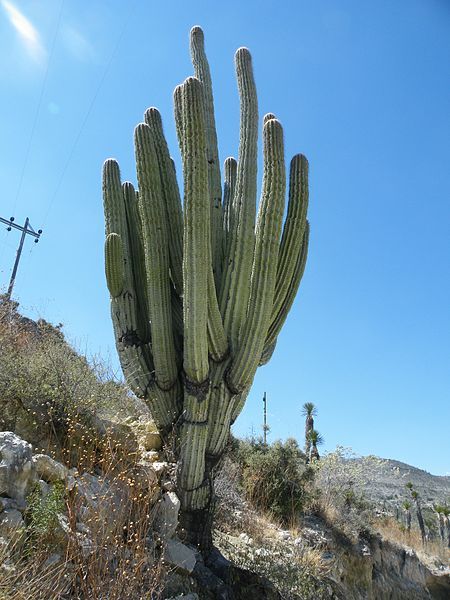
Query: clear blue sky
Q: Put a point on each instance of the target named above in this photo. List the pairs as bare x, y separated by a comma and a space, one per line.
362, 89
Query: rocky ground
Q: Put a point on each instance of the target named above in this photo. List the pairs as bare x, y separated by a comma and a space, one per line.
368, 568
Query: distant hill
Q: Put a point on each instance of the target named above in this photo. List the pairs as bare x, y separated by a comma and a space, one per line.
383, 480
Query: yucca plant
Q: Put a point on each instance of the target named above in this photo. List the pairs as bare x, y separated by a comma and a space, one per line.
315, 439
446, 516
415, 496
309, 411
406, 505
201, 288
439, 509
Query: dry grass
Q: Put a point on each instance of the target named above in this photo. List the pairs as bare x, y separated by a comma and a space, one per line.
432, 552
113, 553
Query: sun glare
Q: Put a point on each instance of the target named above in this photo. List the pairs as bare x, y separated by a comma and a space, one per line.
25, 29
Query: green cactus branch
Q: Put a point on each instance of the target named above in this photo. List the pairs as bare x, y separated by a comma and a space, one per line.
262, 287
237, 273
229, 185
199, 289
156, 246
202, 73
171, 197
114, 270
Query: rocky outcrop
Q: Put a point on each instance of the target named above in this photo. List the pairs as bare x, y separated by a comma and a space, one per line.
374, 568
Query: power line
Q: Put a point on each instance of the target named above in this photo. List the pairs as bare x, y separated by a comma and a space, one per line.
38, 110
88, 114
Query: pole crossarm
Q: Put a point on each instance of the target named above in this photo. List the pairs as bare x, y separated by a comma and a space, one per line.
25, 229
29, 229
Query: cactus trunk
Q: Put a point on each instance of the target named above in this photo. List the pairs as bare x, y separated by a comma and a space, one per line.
200, 289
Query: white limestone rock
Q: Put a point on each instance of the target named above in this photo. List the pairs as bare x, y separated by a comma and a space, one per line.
17, 470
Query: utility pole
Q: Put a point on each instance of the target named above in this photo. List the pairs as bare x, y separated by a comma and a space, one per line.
26, 229
265, 428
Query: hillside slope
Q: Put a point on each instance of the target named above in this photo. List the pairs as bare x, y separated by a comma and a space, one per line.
383, 481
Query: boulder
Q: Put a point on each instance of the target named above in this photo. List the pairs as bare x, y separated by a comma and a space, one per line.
179, 556
50, 470
166, 519
12, 524
17, 470
102, 501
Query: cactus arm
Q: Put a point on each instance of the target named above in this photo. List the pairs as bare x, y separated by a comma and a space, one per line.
268, 231
203, 74
237, 273
229, 184
171, 194
191, 125
115, 218
114, 269
293, 230
134, 351
155, 238
268, 117
280, 318
216, 339
137, 260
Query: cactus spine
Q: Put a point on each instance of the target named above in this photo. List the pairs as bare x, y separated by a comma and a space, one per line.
199, 292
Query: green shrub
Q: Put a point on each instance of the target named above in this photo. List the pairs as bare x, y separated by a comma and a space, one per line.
274, 477
45, 384
42, 516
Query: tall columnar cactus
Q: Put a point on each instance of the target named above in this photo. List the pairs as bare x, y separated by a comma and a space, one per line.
200, 289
